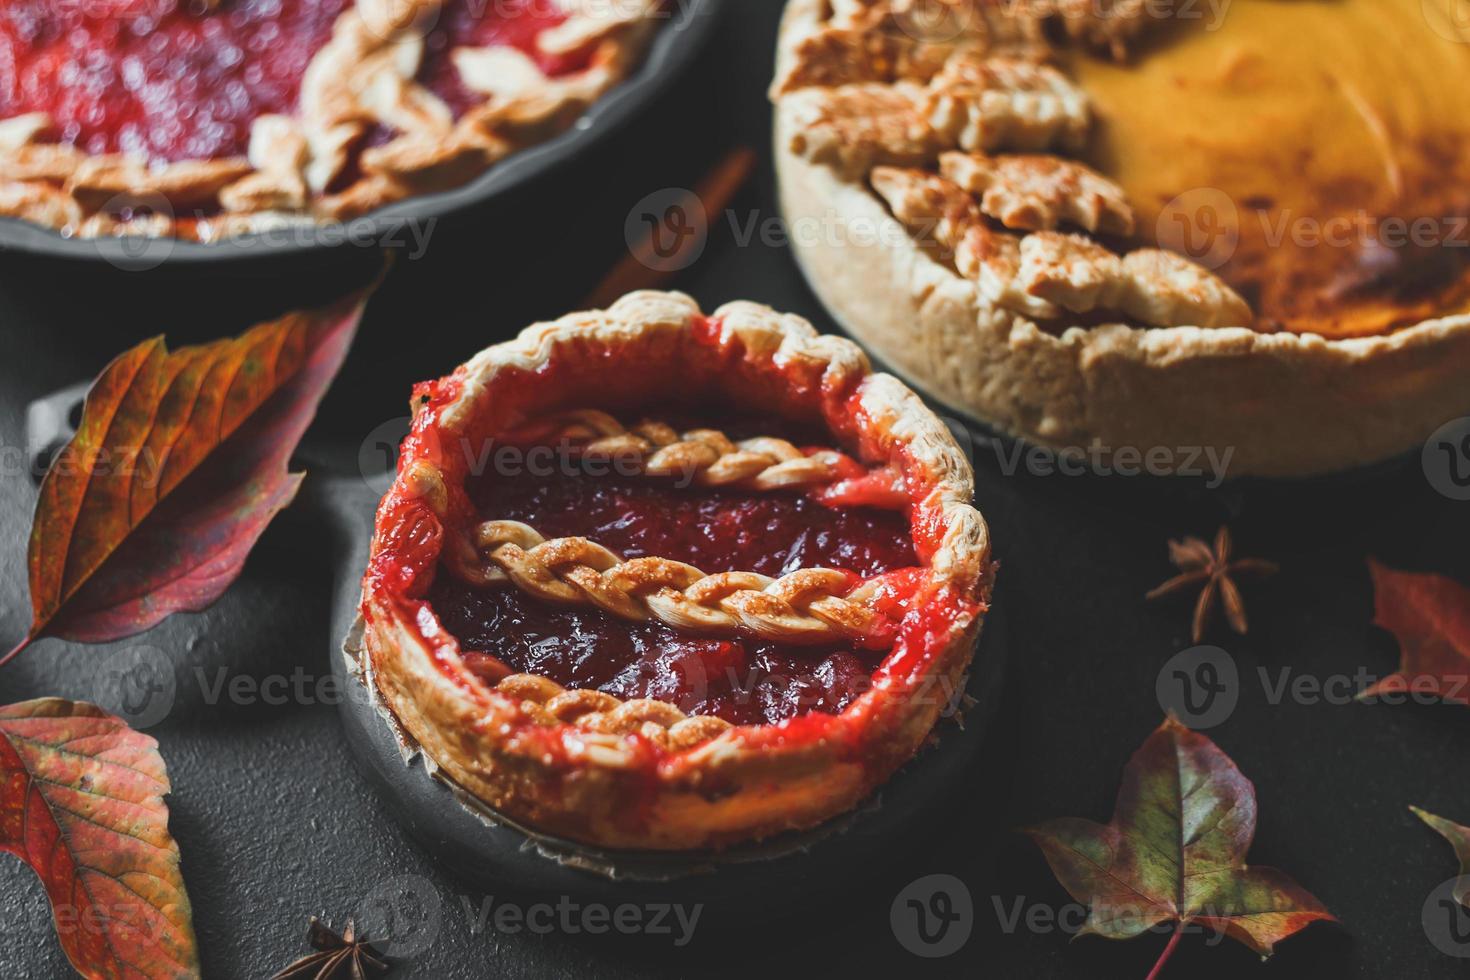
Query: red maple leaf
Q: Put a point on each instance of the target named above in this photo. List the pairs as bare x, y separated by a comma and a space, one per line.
1430, 617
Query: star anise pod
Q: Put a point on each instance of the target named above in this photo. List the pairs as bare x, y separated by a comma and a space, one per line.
336, 956
1212, 568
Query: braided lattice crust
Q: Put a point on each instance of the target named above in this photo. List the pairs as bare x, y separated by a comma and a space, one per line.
549, 704
705, 457
808, 606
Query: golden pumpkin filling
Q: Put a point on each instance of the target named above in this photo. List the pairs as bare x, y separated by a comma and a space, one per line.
1315, 154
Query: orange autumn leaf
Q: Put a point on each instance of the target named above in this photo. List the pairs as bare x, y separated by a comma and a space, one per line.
1429, 615
81, 803
177, 467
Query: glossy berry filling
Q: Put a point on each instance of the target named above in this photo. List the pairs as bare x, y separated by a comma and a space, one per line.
741, 679
174, 80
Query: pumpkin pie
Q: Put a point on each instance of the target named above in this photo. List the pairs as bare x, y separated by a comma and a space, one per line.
1141, 226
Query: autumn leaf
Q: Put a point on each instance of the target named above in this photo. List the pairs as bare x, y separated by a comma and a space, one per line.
177, 467
1459, 838
1175, 852
81, 802
1430, 617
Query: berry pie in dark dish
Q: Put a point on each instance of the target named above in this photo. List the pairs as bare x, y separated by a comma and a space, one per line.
652, 578
206, 119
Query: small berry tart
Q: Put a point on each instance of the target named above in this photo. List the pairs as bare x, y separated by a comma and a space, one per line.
655, 579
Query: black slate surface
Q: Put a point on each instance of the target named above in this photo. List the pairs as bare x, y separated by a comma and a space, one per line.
275, 822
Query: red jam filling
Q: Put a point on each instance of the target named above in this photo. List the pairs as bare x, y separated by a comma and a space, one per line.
741, 679
169, 80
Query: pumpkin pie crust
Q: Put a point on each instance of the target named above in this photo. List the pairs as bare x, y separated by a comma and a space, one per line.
1089, 226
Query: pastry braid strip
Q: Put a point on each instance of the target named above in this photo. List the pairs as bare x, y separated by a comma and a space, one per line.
808, 606
597, 712
707, 456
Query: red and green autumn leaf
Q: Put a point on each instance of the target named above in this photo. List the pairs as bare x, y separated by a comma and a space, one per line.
1429, 615
1459, 838
1175, 852
177, 467
81, 802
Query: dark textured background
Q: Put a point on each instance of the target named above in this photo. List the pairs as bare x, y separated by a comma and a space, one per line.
275, 823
